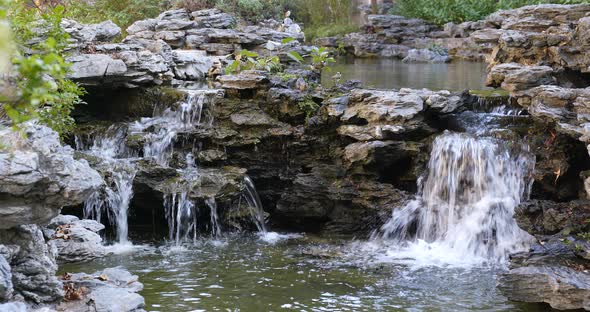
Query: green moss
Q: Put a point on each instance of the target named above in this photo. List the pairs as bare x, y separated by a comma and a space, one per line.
309, 106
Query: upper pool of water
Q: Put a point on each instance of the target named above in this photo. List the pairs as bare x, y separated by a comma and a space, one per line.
395, 74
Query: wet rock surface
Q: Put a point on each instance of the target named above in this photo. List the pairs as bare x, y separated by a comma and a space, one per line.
113, 289
549, 273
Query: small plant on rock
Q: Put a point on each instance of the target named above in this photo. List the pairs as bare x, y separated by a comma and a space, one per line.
248, 60
320, 58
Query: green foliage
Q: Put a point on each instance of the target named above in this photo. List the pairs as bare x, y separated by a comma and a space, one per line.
42, 88
248, 60
444, 11
254, 10
286, 77
309, 106
5, 40
320, 58
121, 12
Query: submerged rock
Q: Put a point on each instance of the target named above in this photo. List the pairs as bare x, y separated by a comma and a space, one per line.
38, 176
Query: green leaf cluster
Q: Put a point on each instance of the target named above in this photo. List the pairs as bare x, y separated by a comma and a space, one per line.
248, 60
41, 89
320, 58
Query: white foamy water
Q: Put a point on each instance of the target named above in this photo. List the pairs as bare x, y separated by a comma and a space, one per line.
464, 212
274, 237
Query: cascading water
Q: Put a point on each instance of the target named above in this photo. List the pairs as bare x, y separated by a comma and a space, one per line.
114, 199
160, 133
254, 204
182, 212
467, 199
168, 123
215, 226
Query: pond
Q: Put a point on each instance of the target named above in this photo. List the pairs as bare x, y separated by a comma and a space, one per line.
300, 272
395, 74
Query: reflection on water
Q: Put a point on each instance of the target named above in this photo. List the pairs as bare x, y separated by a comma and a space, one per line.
298, 273
394, 74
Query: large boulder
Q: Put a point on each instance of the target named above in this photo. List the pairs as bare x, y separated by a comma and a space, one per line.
86, 34
76, 240
38, 176
549, 273
191, 64
543, 217
110, 290
213, 18
426, 56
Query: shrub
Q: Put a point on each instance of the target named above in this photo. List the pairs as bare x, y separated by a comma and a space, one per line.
42, 90
121, 12
444, 11
194, 5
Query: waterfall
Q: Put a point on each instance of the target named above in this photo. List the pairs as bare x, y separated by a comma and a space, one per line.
181, 214
254, 204
498, 105
114, 199
215, 226
466, 201
168, 123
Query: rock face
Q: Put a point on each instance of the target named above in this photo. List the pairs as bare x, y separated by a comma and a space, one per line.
543, 217
549, 273
32, 263
426, 56
6, 287
113, 289
76, 240
146, 56
38, 176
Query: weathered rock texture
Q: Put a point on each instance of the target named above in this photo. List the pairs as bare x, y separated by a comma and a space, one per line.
110, 290
32, 263
176, 45
38, 176
76, 240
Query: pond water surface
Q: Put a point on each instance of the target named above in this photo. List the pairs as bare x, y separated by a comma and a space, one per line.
301, 273
395, 74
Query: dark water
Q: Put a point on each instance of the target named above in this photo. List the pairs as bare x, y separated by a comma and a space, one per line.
300, 274
394, 74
